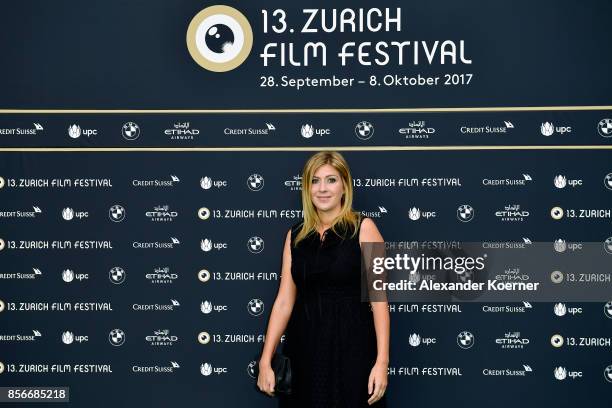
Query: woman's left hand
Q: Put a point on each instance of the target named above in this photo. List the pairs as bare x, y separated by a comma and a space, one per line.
377, 383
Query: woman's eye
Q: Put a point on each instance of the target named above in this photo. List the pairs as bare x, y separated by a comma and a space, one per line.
332, 180
314, 181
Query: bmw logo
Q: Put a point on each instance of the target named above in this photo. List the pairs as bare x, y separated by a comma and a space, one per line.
608, 245
116, 337
608, 309
255, 182
255, 244
116, 213
465, 213
364, 130
608, 181
608, 373
130, 131
255, 307
604, 127
117, 275
465, 339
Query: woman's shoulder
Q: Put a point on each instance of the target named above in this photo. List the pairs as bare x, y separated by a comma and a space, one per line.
366, 221
368, 230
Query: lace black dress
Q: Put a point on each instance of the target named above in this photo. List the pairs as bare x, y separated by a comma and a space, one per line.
330, 338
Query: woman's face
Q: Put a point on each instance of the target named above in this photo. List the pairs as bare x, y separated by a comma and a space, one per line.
327, 188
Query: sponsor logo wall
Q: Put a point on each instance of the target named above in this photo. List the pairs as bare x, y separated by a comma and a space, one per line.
150, 167
123, 265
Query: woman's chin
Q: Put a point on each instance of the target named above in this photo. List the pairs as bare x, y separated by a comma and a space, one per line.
325, 207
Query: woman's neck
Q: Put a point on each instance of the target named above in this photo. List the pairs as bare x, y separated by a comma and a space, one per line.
326, 219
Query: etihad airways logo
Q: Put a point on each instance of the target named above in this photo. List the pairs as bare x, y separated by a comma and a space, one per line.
161, 338
512, 340
512, 213
182, 131
161, 213
417, 130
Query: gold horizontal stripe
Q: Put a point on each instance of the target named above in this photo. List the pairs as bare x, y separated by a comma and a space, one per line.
316, 110
298, 148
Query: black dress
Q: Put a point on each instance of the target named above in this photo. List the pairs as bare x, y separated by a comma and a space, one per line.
330, 337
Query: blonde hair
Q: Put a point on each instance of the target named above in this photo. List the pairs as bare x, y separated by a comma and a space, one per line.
347, 217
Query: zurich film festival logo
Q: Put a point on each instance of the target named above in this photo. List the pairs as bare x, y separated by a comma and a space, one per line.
219, 38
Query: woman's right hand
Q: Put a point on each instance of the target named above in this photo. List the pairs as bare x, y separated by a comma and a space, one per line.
266, 380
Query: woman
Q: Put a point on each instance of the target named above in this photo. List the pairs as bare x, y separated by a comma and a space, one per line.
338, 346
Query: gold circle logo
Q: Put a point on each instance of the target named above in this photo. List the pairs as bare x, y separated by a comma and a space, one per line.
203, 213
1, 306
556, 277
557, 340
1, 244
1, 182
203, 338
204, 275
219, 38
1, 368
556, 213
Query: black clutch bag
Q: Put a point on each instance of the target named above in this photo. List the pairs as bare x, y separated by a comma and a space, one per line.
281, 365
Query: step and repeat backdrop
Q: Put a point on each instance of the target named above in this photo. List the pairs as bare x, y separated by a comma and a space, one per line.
150, 167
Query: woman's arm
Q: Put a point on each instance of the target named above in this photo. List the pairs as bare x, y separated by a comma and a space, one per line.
283, 305
377, 381
381, 324
380, 309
